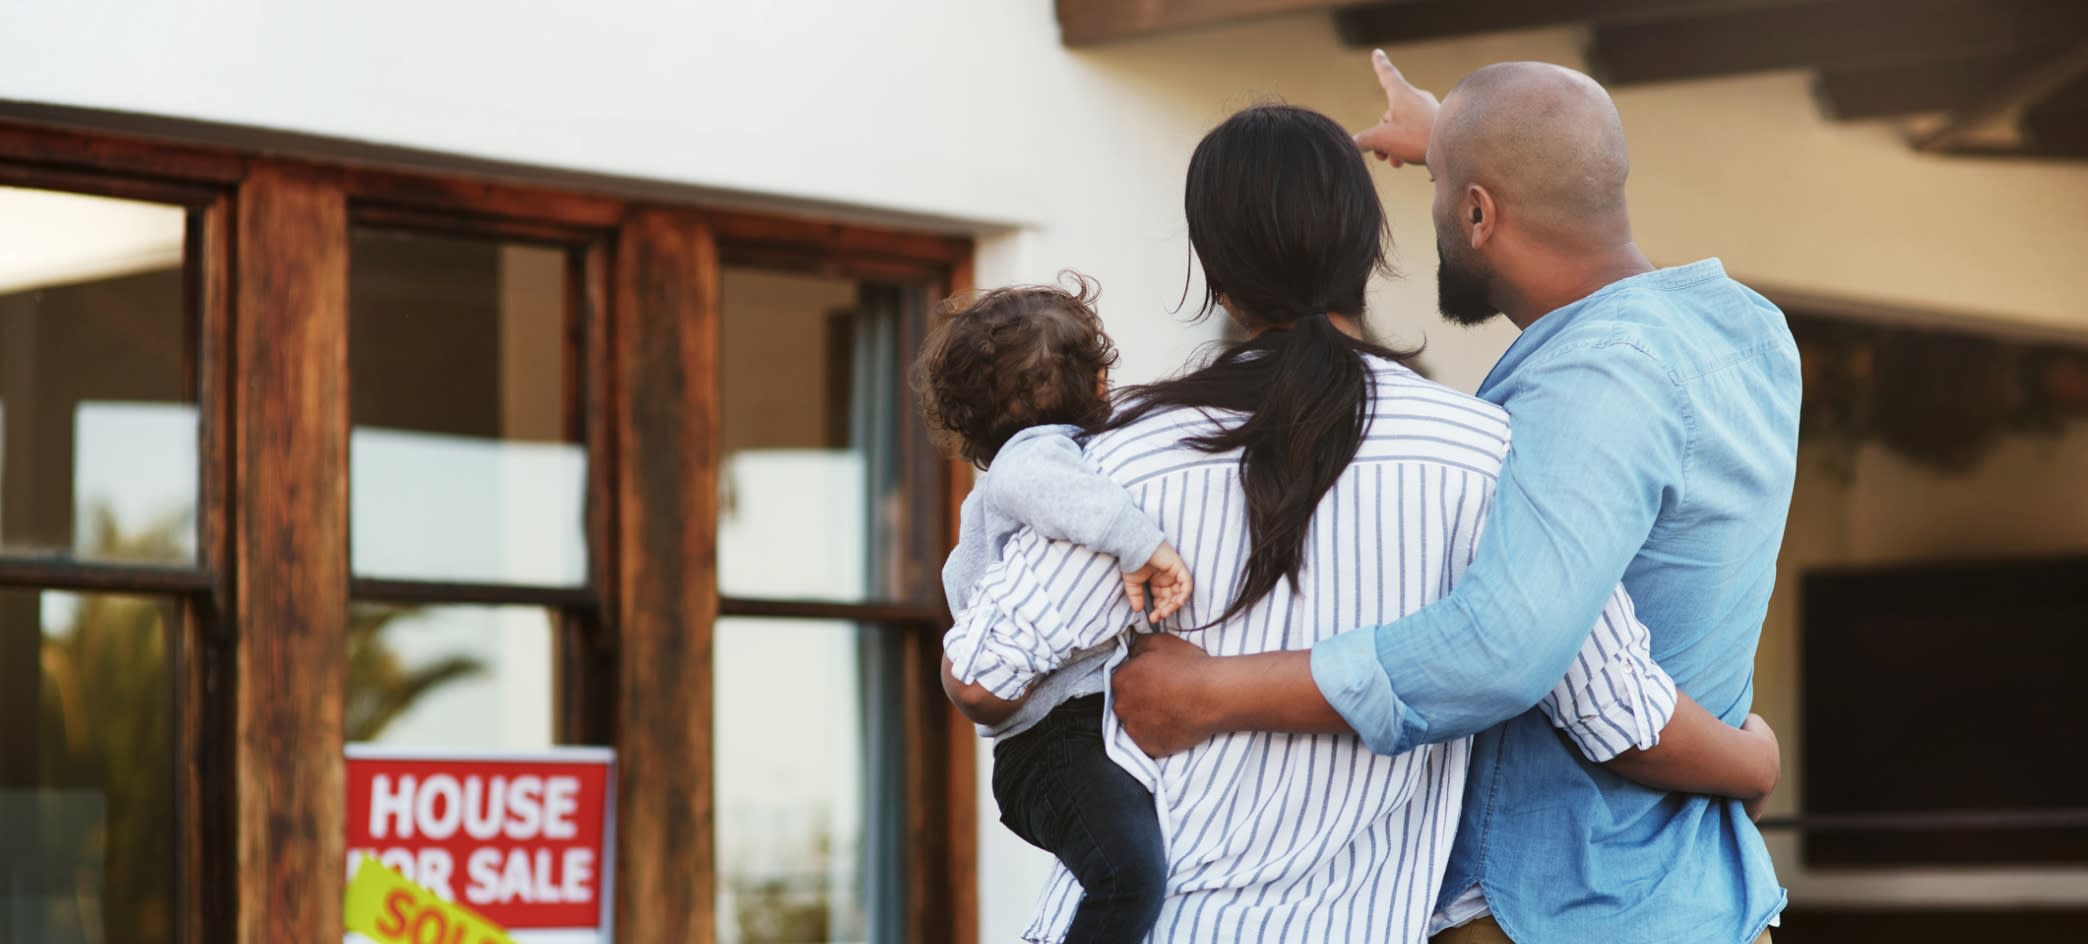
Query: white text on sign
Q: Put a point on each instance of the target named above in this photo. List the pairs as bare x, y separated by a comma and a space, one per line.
520, 808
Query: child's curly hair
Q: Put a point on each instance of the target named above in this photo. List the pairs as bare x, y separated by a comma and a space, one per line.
999, 362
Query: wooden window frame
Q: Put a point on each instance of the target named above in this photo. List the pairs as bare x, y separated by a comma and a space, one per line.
584, 231
197, 645
261, 783
941, 751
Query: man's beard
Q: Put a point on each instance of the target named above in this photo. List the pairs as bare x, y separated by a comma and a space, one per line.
1463, 294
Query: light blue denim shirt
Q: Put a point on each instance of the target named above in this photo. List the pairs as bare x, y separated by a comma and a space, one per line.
1655, 433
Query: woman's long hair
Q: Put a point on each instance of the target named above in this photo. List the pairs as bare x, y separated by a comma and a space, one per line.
1289, 229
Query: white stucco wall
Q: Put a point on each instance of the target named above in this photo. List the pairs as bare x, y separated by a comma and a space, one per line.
972, 112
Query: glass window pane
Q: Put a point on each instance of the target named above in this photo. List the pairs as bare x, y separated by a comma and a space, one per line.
475, 677
86, 767
810, 839
814, 499
98, 439
464, 464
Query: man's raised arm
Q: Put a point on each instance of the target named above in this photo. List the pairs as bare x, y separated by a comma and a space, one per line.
1401, 134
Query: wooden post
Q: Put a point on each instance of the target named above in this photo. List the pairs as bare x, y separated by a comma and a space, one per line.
961, 759
666, 404
291, 587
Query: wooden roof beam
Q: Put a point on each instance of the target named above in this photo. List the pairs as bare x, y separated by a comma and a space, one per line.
1093, 22
1898, 90
2059, 123
1842, 34
2011, 101
1384, 24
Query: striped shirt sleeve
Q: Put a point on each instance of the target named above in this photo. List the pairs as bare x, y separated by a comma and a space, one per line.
1614, 696
1042, 603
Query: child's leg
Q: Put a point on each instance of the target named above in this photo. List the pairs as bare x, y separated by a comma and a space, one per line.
1059, 791
1116, 850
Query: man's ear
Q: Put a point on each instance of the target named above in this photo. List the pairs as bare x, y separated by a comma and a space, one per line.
1481, 215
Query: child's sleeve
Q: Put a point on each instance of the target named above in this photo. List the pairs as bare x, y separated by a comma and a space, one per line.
1041, 479
1043, 602
969, 558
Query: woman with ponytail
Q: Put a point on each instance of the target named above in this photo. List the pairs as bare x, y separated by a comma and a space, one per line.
1313, 483
1291, 270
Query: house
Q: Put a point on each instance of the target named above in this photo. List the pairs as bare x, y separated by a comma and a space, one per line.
502, 375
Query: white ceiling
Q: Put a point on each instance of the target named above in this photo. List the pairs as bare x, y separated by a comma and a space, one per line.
49, 238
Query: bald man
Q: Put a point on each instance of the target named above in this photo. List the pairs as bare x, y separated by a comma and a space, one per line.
1655, 416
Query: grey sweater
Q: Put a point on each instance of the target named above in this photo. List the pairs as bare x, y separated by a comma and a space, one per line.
1041, 480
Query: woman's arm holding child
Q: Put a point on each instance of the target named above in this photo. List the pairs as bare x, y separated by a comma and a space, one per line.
1042, 479
973, 701
1061, 584
1043, 603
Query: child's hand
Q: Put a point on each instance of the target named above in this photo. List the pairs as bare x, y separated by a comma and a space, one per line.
1169, 579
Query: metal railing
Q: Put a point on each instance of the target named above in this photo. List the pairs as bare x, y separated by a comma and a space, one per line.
1924, 821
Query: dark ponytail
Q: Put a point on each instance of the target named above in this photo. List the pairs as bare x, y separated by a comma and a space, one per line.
1289, 229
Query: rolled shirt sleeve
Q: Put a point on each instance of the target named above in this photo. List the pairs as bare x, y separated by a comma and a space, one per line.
1350, 678
1600, 443
1614, 697
1041, 604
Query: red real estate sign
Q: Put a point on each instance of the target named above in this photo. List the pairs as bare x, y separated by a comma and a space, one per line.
522, 838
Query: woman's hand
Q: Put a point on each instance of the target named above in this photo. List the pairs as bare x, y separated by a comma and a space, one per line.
1158, 695
1401, 136
1171, 695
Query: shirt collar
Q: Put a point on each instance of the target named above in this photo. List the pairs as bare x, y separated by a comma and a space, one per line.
1545, 328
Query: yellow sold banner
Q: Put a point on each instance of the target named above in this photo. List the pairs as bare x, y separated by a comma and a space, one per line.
387, 908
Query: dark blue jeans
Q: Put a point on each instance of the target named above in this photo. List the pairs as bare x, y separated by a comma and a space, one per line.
1060, 792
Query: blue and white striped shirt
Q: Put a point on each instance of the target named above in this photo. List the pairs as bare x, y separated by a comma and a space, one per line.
1275, 837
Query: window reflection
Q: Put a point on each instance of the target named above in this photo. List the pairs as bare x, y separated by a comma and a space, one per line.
476, 677
822, 452
431, 507
813, 486
464, 464
810, 840
795, 526
136, 481
98, 436
86, 781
